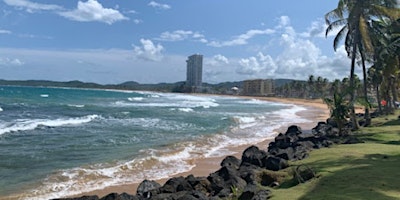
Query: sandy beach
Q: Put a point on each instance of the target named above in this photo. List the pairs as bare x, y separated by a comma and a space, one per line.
315, 111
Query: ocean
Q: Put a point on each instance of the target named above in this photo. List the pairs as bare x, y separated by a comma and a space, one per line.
57, 142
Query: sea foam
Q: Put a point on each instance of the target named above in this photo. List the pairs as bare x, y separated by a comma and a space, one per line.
31, 124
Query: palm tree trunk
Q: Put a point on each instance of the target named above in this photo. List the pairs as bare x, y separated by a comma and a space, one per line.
353, 117
378, 97
367, 116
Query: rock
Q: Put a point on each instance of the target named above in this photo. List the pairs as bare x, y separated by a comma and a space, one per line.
95, 197
147, 188
303, 173
262, 195
194, 195
226, 192
352, 140
275, 163
275, 184
225, 178
287, 153
123, 196
201, 184
281, 141
231, 161
294, 129
176, 184
254, 155
249, 191
248, 172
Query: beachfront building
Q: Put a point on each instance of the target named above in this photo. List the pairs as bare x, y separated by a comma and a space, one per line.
194, 73
259, 87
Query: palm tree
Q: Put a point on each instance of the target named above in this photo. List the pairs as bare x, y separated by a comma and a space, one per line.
353, 18
386, 38
375, 78
311, 83
339, 108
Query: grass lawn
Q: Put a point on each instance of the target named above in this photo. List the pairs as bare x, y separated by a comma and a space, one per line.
369, 170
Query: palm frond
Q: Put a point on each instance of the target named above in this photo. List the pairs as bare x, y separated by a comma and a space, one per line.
340, 35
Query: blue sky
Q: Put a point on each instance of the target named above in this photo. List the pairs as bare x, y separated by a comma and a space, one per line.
112, 41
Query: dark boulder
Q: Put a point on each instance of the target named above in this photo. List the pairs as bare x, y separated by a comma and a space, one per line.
231, 161
194, 195
253, 155
262, 195
176, 184
249, 191
275, 163
248, 172
123, 196
252, 192
352, 140
281, 141
147, 188
225, 178
201, 184
294, 129
80, 198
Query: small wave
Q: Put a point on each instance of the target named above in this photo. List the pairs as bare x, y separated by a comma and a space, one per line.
31, 124
76, 105
183, 109
44, 95
1, 109
155, 165
135, 98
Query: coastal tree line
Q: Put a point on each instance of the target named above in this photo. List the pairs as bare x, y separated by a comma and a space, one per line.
370, 33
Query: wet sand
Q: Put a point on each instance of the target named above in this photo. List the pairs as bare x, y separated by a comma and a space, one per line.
316, 111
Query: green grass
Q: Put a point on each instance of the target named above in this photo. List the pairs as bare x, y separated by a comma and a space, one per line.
369, 170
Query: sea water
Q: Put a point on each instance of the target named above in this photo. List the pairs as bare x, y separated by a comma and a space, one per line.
57, 142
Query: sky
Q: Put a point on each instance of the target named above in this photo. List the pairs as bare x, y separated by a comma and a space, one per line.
113, 41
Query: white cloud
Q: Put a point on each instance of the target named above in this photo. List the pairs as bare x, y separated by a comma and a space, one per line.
317, 29
298, 58
177, 35
137, 21
11, 62
159, 6
32, 6
92, 10
241, 39
217, 60
148, 50
2, 31
180, 35
260, 65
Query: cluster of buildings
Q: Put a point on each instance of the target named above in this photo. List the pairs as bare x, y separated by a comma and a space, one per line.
194, 76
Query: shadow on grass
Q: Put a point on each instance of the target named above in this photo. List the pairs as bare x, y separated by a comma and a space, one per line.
395, 122
366, 178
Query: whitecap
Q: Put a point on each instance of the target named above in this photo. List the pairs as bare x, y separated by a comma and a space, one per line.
186, 109
1, 109
135, 98
44, 95
76, 105
31, 124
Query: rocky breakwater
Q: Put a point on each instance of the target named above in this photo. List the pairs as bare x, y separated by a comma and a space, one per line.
247, 178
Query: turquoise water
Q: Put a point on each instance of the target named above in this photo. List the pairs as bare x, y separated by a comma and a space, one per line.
56, 142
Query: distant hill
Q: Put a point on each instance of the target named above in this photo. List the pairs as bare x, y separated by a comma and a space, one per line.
219, 88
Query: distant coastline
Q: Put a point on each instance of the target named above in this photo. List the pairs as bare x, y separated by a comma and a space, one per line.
177, 87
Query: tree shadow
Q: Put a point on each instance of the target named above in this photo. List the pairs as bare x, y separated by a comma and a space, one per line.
366, 178
395, 122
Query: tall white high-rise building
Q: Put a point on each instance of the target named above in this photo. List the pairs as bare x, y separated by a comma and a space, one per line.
194, 73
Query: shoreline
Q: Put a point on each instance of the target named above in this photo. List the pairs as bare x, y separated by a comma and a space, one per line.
315, 111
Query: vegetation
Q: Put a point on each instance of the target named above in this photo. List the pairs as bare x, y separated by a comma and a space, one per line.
352, 171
